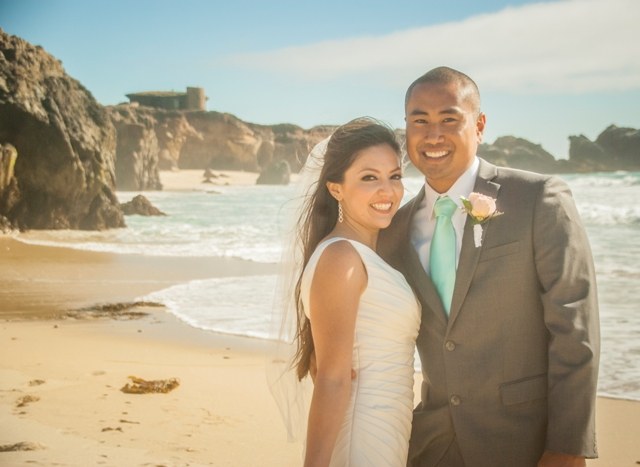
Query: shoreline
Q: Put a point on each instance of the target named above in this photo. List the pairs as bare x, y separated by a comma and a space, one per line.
67, 372
193, 179
47, 281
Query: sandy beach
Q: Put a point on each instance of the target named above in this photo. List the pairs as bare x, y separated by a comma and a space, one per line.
62, 368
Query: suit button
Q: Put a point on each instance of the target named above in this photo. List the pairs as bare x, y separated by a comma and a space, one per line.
450, 346
455, 400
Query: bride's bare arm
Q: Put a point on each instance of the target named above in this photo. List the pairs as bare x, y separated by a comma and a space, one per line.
339, 280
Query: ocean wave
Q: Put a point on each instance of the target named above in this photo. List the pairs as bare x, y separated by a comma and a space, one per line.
597, 213
603, 180
222, 304
255, 252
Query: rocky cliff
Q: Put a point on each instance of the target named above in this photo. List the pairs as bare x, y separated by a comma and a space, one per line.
137, 150
614, 149
509, 151
214, 140
65, 142
201, 140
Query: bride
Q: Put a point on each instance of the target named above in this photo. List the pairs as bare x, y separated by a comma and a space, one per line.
355, 314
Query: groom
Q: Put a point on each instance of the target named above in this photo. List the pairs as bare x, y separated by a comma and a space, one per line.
510, 360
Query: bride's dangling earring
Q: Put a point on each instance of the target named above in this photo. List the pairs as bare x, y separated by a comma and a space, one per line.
340, 214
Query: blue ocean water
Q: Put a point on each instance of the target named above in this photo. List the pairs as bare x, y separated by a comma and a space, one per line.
246, 222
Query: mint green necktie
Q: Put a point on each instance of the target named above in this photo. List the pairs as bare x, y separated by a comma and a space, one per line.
442, 262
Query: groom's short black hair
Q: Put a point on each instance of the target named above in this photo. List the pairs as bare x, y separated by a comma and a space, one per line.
446, 75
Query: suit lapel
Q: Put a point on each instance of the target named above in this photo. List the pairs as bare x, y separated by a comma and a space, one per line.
469, 253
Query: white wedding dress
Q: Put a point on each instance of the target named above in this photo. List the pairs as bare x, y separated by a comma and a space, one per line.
377, 425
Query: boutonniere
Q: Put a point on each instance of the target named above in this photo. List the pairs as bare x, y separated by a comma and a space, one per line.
480, 209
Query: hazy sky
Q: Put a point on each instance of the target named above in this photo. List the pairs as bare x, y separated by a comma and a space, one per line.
546, 70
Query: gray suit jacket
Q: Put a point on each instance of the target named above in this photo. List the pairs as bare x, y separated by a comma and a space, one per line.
513, 371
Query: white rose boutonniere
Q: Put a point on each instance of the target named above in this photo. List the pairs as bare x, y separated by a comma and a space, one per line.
480, 209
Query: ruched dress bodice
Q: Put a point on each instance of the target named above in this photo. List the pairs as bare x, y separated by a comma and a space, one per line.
377, 424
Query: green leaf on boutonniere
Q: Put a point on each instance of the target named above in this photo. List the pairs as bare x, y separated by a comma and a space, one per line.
467, 205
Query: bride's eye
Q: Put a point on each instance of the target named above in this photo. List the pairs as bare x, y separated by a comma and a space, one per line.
368, 178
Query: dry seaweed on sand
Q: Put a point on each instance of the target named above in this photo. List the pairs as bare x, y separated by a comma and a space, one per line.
21, 446
24, 400
122, 310
142, 386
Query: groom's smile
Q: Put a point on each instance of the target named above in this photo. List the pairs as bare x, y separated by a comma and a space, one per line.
435, 154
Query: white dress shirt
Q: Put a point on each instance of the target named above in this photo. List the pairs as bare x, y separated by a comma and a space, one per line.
424, 220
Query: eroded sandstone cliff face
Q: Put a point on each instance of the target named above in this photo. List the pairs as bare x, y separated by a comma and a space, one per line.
137, 150
173, 130
202, 140
9, 192
214, 140
65, 141
289, 143
227, 143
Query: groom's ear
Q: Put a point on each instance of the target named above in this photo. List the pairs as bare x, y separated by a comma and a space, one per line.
334, 190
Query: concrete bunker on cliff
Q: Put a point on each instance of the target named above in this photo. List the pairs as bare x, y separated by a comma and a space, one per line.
193, 99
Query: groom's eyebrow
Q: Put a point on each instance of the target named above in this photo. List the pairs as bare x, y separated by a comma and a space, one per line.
449, 111
418, 112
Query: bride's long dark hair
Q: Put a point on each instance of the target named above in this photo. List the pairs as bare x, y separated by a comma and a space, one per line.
320, 212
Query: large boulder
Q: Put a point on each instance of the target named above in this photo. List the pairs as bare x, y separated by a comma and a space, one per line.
66, 143
276, 173
140, 205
